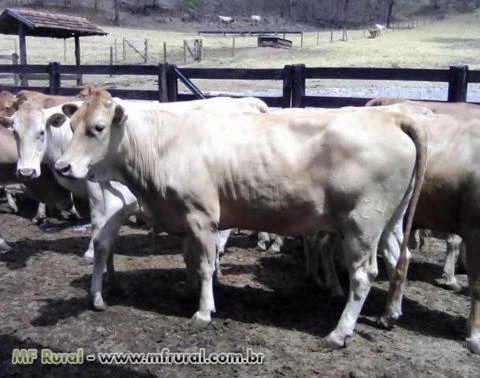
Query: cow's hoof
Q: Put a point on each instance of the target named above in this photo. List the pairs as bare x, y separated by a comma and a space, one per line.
273, 249
88, 257
262, 245
473, 344
386, 321
201, 319
99, 304
450, 283
332, 341
4, 246
39, 220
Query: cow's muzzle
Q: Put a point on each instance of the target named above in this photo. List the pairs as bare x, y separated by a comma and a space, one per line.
26, 173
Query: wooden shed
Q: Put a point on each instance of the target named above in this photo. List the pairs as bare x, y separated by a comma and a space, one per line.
34, 23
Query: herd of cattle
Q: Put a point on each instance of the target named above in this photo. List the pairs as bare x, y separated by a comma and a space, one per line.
354, 181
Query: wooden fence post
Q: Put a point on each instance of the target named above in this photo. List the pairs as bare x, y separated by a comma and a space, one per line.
164, 52
146, 50
162, 82
15, 62
301, 41
184, 51
298, 86
172, 84
287, 87
54, 78
457, 84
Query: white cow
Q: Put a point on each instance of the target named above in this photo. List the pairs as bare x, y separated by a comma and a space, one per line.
111, 203
255, 19
269, 172
225, 20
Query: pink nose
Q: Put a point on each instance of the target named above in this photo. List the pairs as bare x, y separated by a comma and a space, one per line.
63, 168
26, 173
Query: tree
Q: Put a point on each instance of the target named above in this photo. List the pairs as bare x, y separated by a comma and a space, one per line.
391, 3
116, 18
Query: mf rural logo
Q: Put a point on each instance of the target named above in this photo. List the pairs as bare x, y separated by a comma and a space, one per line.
47, 357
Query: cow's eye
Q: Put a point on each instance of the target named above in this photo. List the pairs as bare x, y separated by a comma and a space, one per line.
99, 128
42, 133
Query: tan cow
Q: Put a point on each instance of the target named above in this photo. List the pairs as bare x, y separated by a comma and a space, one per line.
450, 199
348, 172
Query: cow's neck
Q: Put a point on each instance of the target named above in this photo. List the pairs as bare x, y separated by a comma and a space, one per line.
58, 139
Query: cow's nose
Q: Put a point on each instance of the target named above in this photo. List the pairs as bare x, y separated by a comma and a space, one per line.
63, 168
26, 173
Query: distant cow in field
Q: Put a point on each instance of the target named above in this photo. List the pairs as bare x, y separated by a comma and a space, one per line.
255, 19
376, 30
226, 20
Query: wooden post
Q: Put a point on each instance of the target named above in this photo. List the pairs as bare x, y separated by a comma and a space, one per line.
331, 35
23, 53
318, 38
116, 52
146, 50
111, 58
164, 52
301, 40
200, 51
298, 86
54, 78
15, 62
77, 59
162, 82
458, 83
184, 51
172, 84
233, 46
287, 87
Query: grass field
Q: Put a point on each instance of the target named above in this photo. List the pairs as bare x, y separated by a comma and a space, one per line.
437, 45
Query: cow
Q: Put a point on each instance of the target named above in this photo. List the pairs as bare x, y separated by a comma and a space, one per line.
269, 172
44, 189
376, 30
255, 19
43, 100
226, 20
450, 199
42, 136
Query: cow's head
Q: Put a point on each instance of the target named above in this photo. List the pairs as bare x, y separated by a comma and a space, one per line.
7, 104
30, 130
98, 126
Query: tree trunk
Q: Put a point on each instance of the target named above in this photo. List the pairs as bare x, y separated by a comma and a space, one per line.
116, 18
389, 13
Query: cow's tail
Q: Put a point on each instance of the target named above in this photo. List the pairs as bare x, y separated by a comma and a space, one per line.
419, 138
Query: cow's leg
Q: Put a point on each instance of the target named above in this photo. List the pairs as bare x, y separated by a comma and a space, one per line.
361, 253
72, 212
263, 240
11, 201
390, 246
203, 243
117, 206
424, 240
327, 253
453, 251
277, 243
221, 242
4, 246
473, 271
41, 214
191, 265
310, 249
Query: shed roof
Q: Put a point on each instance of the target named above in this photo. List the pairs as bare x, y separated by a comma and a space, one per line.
46, 24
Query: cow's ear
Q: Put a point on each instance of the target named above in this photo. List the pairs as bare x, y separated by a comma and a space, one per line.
69, 109
56, 120
119, 116
6, 122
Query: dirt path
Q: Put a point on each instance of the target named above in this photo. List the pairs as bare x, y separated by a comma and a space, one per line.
262, 304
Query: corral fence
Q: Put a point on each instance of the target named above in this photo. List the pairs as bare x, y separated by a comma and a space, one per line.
293, 77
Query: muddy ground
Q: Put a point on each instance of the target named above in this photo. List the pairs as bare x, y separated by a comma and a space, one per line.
262, 304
